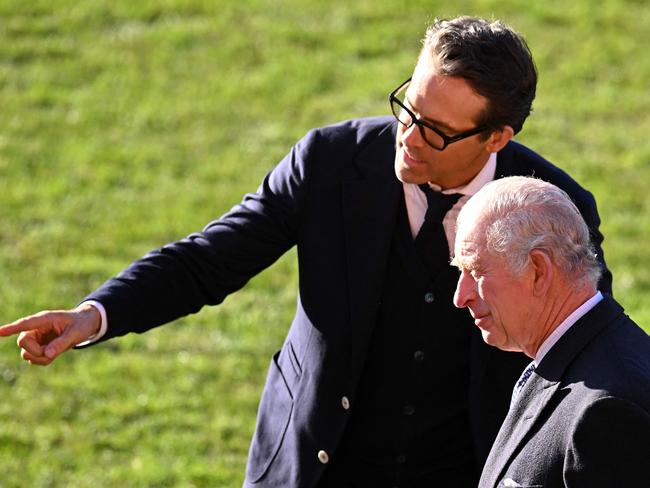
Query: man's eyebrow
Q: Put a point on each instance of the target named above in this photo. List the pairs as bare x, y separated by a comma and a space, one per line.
467, 262
459, 262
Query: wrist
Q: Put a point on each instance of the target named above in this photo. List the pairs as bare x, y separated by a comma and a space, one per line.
91, 317
89, 310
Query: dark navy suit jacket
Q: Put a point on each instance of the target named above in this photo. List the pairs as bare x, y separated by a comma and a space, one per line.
335, 197
584, 417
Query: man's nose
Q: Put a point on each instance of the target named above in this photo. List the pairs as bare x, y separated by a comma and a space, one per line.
464, 289
412, 136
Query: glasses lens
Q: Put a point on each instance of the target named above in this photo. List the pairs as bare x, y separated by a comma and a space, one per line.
433, 138
400, 113
405, 117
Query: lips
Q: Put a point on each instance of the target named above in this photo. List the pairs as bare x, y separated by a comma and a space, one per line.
482, 321
409, 159
479, 320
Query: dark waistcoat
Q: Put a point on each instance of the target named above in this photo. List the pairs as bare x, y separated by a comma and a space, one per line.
410, 424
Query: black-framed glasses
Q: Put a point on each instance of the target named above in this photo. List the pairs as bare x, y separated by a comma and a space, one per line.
432, 136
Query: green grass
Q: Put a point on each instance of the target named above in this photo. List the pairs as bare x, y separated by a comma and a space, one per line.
126, 125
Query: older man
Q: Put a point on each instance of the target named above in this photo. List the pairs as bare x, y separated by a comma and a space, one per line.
580, 413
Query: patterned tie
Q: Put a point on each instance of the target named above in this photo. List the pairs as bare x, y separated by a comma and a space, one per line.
522, 381
431, 241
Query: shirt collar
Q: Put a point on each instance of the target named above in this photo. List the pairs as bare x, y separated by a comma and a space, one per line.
561, 329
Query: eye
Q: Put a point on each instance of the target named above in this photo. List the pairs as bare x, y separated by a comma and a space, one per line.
476, 273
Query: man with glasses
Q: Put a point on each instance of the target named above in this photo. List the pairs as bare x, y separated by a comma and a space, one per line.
381, 381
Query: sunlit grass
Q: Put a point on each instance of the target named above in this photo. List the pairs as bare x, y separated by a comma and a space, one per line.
126, 125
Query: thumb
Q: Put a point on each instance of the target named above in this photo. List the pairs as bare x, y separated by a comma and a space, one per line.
85, 321
59, 345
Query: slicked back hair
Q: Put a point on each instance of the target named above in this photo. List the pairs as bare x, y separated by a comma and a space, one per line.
495, 61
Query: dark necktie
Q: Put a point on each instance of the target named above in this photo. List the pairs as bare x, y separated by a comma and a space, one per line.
431, 241
523, 379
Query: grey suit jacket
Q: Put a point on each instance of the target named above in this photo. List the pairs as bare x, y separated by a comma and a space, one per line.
584, 418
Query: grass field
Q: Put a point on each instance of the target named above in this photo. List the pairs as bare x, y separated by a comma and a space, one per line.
126, 125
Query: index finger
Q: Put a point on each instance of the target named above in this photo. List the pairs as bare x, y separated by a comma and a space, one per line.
38, 321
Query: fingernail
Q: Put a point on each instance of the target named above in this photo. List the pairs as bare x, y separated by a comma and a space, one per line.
50, 352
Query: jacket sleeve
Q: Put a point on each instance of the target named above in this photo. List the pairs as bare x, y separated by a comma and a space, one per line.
202, 269
609, 446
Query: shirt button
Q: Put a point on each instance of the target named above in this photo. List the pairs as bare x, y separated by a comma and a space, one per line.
418, 355
323, 457
429, 297
409, 410
401, 459
345, 403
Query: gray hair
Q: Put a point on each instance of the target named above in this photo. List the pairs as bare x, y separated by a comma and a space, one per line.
519, 214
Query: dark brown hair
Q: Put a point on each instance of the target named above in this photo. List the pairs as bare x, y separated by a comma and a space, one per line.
493, 58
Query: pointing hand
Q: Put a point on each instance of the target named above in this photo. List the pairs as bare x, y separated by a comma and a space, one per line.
45, 335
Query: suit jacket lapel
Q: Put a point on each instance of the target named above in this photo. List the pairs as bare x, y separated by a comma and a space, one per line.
542, 385
371, 196
520, 419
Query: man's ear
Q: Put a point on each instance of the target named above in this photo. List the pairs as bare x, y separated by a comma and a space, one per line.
499, 138
543, 272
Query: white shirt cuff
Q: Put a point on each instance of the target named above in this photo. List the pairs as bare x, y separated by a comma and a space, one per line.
103, 326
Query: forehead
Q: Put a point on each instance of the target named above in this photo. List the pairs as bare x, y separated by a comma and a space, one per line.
468, 247
467, 253
444, 97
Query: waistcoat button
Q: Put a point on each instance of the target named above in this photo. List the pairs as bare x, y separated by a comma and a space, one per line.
323, 457
345, 403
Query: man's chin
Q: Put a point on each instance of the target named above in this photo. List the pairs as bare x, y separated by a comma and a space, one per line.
406, 174
499, 341
490, 339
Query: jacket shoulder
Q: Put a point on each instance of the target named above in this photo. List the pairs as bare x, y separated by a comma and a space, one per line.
520, 160
354, 132
517, 159
328, 151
